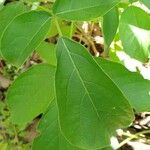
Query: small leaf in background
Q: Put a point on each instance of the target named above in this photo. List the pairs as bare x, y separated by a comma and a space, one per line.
83, 9
91, 107
135, 33
66, 28
110, 26
47, 52
31, 93
50, 137
3, 146
23, 35
135, 88
146, 3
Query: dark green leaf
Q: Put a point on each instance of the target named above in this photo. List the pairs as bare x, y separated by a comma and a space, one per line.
91, 107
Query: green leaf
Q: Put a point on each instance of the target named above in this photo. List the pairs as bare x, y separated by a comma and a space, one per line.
91, 107
135, 33
8, 13
135, 88
146, 3
47, 52
51, 137
66, 28
31, 93
110, 26
23, 35
83, 9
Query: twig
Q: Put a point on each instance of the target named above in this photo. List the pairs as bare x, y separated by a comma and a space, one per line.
89, 40
132, 137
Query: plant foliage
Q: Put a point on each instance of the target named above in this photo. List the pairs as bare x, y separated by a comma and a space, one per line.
83, 98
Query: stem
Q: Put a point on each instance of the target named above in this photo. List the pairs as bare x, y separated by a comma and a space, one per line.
71, 32
89, 40
132, 137
106, 51
58, 26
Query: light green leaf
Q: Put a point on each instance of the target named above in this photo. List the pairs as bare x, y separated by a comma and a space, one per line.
83, 9
31, 93
47, 52
66, 28
23, 35
3, 146
51, 137
135, 88
110, 25
146, 3
135, 33
91, 107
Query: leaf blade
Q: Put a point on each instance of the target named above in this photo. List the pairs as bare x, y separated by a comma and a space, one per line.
134, 87
109, 28
35, 25
50, 132
137, 30
82, 111
72, 10
10, 11
27, 98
